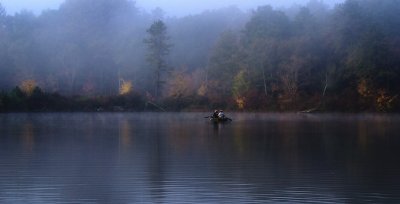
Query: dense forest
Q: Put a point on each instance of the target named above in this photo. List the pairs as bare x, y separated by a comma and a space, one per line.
90, 55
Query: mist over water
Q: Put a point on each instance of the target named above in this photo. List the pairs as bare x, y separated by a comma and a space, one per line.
117, 55
182, 157
100, 60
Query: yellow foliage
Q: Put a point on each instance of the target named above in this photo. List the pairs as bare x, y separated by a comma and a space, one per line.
202, 91
241, 102
240, 84
180, 84
384, 101
125, 87
363, 88
28, 86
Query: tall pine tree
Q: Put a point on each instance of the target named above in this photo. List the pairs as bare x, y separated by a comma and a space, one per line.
158, 49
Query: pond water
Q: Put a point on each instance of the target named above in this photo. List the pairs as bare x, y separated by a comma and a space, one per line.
184, 158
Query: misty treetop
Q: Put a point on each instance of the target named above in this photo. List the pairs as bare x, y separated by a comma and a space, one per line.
301, 58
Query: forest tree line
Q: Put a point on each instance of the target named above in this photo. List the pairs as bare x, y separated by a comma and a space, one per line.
98, 55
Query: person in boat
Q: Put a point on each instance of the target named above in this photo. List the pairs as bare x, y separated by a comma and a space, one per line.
221, 114
215, 114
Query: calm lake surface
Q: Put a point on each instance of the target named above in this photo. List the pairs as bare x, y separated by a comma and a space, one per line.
183, 158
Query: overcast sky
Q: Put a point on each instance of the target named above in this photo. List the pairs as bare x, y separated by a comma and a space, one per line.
171, 7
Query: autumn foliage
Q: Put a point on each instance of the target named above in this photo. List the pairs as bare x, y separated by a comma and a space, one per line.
304, 58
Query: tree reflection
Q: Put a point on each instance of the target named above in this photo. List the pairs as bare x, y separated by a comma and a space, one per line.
125, 134
28, 136
156, 163
167, 158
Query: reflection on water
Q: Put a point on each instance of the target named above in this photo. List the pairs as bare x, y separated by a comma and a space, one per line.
181, 158
125, 134
27, 136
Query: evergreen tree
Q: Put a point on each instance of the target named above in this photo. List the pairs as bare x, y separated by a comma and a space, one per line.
158, 49
2, 14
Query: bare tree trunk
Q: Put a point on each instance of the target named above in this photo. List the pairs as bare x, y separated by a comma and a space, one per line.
265, 83
155, 105
322, 97
157, 84
326, 86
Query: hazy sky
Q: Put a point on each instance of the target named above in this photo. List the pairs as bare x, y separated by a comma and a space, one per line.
171, 7
13, 6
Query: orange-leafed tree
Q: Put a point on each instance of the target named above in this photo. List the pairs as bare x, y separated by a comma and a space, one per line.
125, 87
180, 85
28, 86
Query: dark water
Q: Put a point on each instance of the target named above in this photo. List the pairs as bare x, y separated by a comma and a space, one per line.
181, 158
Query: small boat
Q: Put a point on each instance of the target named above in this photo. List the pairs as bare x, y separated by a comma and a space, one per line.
220, 120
